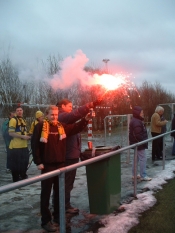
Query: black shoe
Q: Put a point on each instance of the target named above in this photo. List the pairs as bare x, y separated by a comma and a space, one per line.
49, 227
72, 210
23, 177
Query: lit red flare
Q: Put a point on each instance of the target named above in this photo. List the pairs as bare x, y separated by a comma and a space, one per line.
108, 81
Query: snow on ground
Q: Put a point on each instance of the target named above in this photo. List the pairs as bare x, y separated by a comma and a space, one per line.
124, 221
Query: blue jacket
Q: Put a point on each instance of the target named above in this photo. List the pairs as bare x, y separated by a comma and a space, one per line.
137, 130
7, 138
73, 143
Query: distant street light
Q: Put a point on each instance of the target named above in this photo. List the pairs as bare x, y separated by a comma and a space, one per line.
106, 62
25, 94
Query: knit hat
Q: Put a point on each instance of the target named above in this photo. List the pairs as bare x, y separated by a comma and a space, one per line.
39, 114
137, 110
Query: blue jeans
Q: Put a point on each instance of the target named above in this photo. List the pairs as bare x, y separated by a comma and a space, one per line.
141, 160
173, 150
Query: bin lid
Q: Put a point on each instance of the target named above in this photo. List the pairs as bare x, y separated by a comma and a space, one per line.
100, 148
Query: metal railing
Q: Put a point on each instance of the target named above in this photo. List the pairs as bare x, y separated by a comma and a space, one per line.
61, 175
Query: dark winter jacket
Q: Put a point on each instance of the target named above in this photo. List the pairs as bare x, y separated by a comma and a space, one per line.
163, 129
173, 126
73, 143
75, 115
137, 130
54, 151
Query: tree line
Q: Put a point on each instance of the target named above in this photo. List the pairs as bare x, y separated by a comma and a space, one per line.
14, 90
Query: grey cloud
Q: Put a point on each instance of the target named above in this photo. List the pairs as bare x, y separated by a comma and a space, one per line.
137, 36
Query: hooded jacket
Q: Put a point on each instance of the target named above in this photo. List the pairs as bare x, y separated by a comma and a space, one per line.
137, 130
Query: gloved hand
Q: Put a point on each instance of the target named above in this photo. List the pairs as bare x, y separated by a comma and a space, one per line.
88, 117
97, 102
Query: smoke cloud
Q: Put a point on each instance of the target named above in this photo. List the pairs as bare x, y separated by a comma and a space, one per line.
72, 71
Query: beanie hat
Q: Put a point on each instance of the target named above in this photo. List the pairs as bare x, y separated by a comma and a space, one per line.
38, 114
137, 110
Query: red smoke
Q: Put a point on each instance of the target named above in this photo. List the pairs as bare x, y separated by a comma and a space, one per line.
72, 71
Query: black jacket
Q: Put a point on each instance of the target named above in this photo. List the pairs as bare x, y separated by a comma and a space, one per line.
73, 143
137, 130
54, 150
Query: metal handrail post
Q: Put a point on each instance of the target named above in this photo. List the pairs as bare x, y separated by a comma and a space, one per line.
61, 179
128, 151
105, 129
163, 152
135, 171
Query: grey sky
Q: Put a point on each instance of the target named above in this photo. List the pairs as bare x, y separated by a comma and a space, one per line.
137, 36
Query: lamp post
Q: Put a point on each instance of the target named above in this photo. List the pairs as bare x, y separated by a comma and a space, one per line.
106, 62
25, 97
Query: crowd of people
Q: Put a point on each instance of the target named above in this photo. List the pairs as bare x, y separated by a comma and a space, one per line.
138, 133
56, 142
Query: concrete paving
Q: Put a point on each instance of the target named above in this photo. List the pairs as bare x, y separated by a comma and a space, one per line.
20, 208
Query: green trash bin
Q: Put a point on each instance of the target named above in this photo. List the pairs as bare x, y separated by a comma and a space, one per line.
104, 182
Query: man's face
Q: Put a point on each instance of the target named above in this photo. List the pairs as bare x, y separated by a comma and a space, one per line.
19, 112
53, 115
67, 107
161, 112
40, 119
142, 114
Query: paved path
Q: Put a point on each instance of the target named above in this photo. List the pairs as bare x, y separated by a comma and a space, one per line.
20, 208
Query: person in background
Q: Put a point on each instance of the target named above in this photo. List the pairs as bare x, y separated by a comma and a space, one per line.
7, 138
49, 150
163, 130
156, 127
19, 156
138, 133
39, 118
73, 144
173, 134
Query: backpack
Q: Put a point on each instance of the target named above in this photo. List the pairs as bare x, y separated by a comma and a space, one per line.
5, 133
5, 129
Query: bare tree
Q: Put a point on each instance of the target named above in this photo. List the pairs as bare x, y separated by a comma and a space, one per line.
52, 65
10, 85
153, 95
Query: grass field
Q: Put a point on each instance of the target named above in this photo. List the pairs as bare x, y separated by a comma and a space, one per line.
161, 217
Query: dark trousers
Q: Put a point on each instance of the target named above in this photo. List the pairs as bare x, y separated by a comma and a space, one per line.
8, 157
46, 188
17, 176
156, 146
69, 180
19, 159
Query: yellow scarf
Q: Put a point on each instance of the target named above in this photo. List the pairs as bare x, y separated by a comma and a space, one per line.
46, 127
22, 125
